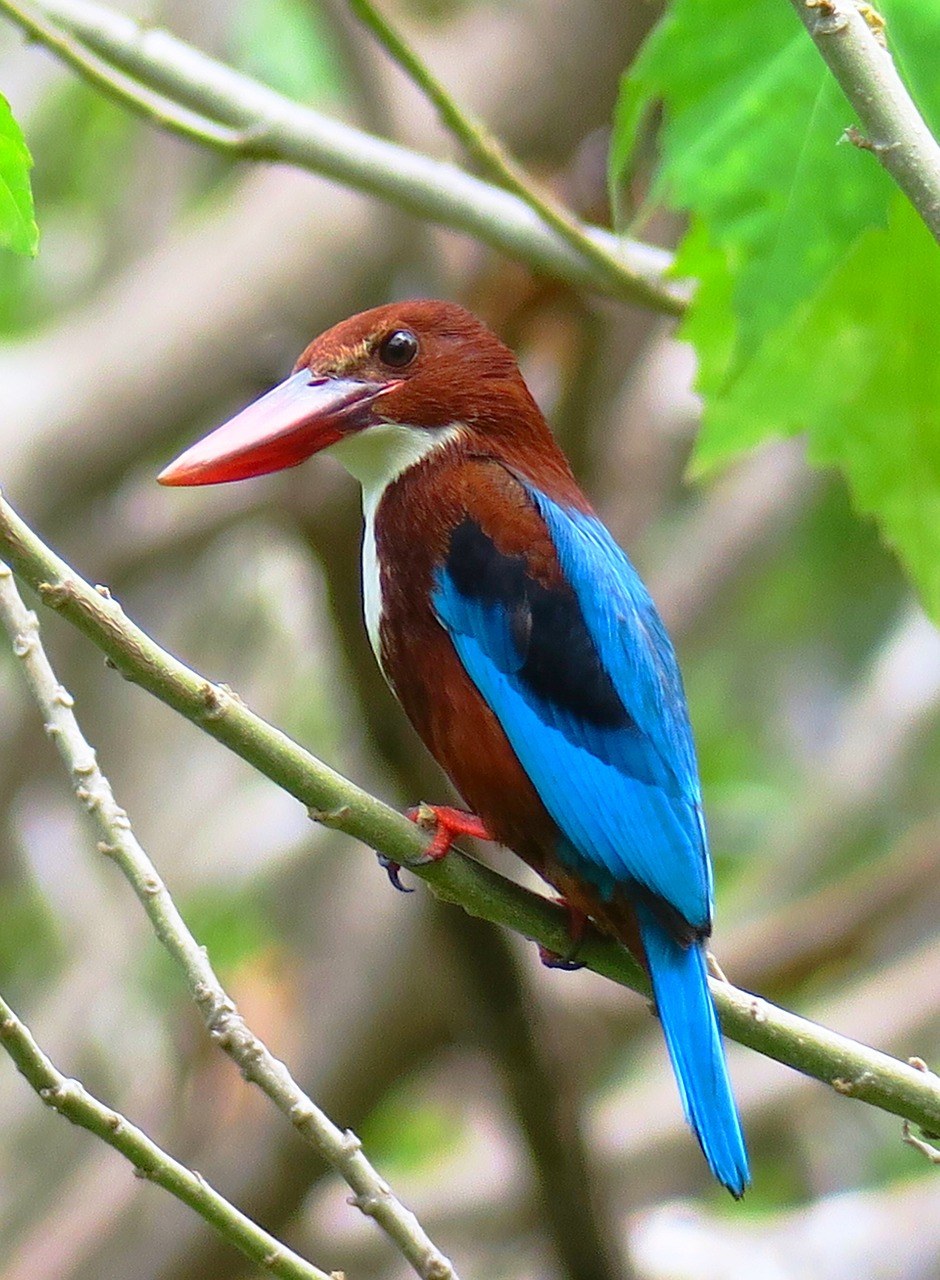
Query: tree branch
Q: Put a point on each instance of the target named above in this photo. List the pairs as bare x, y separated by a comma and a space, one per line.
481, 145
170, 82
70, 1099
895, 131
854, 1070
228, 1029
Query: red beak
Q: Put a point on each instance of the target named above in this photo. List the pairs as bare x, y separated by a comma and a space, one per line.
294, 420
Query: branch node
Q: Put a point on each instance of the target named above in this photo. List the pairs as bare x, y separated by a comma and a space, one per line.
920, 1065
217, 700
103, 591
253, 138
217, 1007
828, 19
251, 1051
87, 798
876, 23
62, 697
301, 1113
329, 817
849, 1087
56, 594
351, 1143
57, 1095
25, 642
858, 139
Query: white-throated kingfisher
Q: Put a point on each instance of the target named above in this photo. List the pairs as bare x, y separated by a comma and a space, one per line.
520, 641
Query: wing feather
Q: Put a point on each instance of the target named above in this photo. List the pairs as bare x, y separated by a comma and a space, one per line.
583, 679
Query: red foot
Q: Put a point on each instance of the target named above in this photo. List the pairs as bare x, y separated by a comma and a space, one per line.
448, 825
577, 926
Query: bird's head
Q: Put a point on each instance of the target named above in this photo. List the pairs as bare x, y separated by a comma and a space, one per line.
382, 388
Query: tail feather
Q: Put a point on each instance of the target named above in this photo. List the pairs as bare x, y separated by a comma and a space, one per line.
690, 1025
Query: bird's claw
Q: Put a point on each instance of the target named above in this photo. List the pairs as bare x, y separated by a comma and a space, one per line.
393, 871
552, 960
447, 824
577, 925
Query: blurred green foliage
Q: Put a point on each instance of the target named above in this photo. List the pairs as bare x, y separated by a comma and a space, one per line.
30, 929
233, 924
409, 1132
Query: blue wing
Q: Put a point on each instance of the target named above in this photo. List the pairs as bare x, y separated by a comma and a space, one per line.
584, 681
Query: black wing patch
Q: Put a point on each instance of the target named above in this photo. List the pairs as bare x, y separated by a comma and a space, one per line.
558, 659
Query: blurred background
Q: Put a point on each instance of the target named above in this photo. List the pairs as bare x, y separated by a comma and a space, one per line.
529, 1116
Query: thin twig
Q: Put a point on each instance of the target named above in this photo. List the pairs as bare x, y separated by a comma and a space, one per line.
72, 1100
183, 90
124, 89
893, 129
486, 149
341, 1149
926, 1149
853, 1069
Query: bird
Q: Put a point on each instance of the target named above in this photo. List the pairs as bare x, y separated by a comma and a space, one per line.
519, 640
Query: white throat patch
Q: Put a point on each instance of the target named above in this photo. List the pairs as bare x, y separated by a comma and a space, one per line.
376, 457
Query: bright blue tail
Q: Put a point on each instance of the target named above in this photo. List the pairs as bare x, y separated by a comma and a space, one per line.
690, 1025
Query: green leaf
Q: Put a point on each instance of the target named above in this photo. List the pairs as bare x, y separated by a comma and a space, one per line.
18, 230
858, 368
788, 234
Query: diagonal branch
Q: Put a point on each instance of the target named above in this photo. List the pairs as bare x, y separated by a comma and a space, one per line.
854, 1070
481, 145
851, 42
182, 89
341, 1149
70, 1099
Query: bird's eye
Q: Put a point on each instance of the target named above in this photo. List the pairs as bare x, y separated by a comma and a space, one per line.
398, 348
